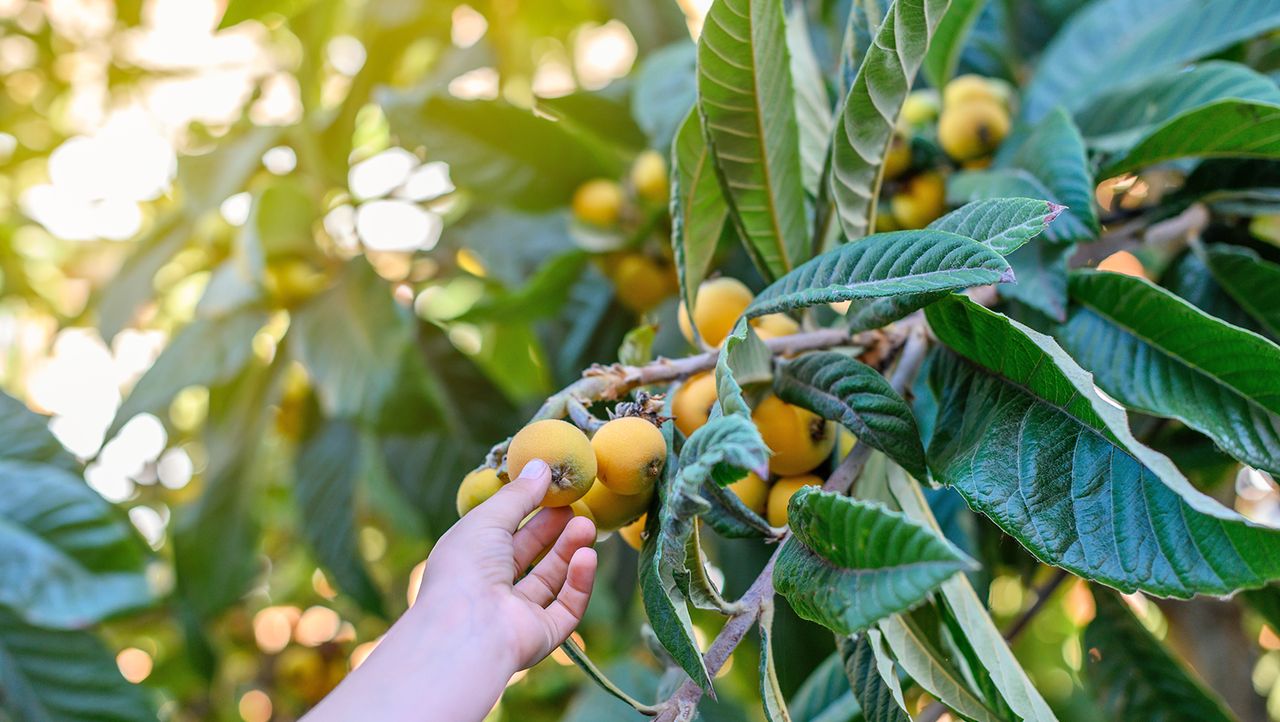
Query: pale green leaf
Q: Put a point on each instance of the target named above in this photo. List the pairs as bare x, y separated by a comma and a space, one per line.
1253, 282
813, 107
775, 704
698, 210
1005, 224
873, 678
949, 40
931, 667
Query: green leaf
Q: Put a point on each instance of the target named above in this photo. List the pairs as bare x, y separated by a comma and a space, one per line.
813, 107
1115, 121
637, 345
873, 678
326, 471
949, 40
55, 676
698, 211
998, 666
1247, 278
1134, 677
1266, 602
886, 264
1005, 224
730, 517
25, 436
775, 704
869, 113
1041, 269
825, 695
1223, 128
1054, 153
847, 391
1112, 43
1189, 278
849, 563
744, 359
544, 294
922, 658
664, 90
351, 340
206, 352
1154, 352
133, 284
746, 100
1023, 437
702, 591
503, 153
70, 558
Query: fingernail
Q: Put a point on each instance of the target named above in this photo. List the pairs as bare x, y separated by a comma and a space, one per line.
533, 469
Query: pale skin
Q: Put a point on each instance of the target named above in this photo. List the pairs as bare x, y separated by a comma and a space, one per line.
478, 618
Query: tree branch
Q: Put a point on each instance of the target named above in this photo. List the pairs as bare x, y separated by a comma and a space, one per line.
683, 704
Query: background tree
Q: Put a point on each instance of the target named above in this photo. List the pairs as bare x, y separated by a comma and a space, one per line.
277, 276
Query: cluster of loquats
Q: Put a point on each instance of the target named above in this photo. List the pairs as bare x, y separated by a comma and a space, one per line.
799, 439
966, 123
643, 273
608, 478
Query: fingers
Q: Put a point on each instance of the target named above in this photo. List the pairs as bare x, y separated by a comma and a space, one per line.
541, 585
534, 538
565, 613
515, 500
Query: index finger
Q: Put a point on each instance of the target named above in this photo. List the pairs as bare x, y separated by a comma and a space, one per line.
513, 502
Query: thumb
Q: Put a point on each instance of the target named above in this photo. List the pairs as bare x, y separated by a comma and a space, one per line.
515, 500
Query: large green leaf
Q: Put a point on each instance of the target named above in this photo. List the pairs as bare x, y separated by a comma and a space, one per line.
665, 87
813, 107
873, 678
1041, 269
990, 658
1004, 224
1022, 435
923, 657
746, 99
886, 264
70, 558
825, 696
698, 210
1159, 354
1112, 43
1189, 278
326, 472
1253, 282
949, 40
849, 563
1134, 677
869, 113
847, 391
50, 675
25, 436
503, 153
206, 352
1222, 128
744, 359
1117, 120
1054, 153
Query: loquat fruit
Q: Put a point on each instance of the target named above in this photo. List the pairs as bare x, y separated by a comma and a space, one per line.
970, 88
717, 306
753, 491
693, 402
781, 493
920, 107
649, 177
969, 131
565, 449
630, 454
476, 488
799, 438
775, 325
633, 533
610, 510
898, 158
920, 202
1123, 262
598, 202
641, 282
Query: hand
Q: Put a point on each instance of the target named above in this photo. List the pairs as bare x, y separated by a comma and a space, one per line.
472, 571
476, 621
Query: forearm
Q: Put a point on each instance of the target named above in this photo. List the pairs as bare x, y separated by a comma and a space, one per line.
424, 670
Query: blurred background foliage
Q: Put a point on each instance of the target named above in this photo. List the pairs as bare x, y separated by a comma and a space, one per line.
275, 275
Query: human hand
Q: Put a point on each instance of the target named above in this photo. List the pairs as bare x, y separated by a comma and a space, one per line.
476, 621
471, 575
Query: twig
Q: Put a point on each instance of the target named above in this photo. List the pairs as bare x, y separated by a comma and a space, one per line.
1043, 592
603, 383
683, 704
1167, 237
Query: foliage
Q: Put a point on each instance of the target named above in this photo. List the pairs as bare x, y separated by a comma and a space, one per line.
250, 351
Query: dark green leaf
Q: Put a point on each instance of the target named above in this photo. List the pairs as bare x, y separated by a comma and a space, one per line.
923, 658
1154, 352
847, 391
1005, 224
327, 469
1266, 602
1053, 152
1135, 677
1251, 281
503, 153
59, 676
1118, 42
1024, 438
869, 114
698, 210
886, 264
1117, 120
1041, 269
1189, 277
1222, 128
746, 99
850, 563
775, 704
825, 695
